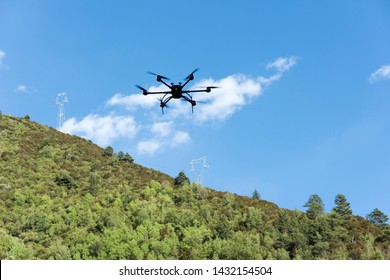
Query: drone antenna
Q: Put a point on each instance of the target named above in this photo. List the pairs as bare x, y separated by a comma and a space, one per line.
60, 101
203, 163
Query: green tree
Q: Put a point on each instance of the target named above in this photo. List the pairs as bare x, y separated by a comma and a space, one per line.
181, 179
121, 156
192, 245
12, 248
342, 206
128, 158
253, 218
255, 194
58, 250
293, 234
377, 217
108, 152
315, 207
125, 157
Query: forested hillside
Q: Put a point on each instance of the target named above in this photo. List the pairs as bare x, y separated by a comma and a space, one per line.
63, 197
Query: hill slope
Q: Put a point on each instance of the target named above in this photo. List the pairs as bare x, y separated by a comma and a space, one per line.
62, 198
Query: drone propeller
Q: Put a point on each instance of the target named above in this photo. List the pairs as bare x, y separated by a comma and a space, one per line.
208, 89
191, 75
144, 91
194, 102
158, 76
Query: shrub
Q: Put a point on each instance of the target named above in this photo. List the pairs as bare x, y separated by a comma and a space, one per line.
64, 179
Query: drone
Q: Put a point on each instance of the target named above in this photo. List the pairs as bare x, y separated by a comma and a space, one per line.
175, 91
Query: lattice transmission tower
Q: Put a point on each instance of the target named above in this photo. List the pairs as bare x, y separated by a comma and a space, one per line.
202, 164
60, 101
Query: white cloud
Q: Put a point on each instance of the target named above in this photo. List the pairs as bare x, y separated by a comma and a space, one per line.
283, 64
24, 89
180, 137
233, 92
103, 130
162, 129
133, 101
148, 147
383, 73
21, 89
162, 134
2, 55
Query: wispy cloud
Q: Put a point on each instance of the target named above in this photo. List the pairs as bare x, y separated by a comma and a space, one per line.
180, 137
238, 90
148, 147
162, 134
21, 89
103, 130
131, 102
2, 55
24, 89
283, 64
383, 73
233, 93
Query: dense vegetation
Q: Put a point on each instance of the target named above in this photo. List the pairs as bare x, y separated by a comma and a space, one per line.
62, 197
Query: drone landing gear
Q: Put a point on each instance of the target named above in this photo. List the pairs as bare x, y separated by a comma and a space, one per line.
189, 99
163, 103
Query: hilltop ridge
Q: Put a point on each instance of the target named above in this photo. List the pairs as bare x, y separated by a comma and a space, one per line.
63, 197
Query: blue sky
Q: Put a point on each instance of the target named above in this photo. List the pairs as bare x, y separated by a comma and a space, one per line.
302, 108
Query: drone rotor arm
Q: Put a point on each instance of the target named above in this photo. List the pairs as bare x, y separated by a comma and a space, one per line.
158, 92
146, 92
195, 90
162, 81
207, 89
186, 82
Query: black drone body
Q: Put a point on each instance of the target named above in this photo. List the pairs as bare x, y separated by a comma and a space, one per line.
175, 91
